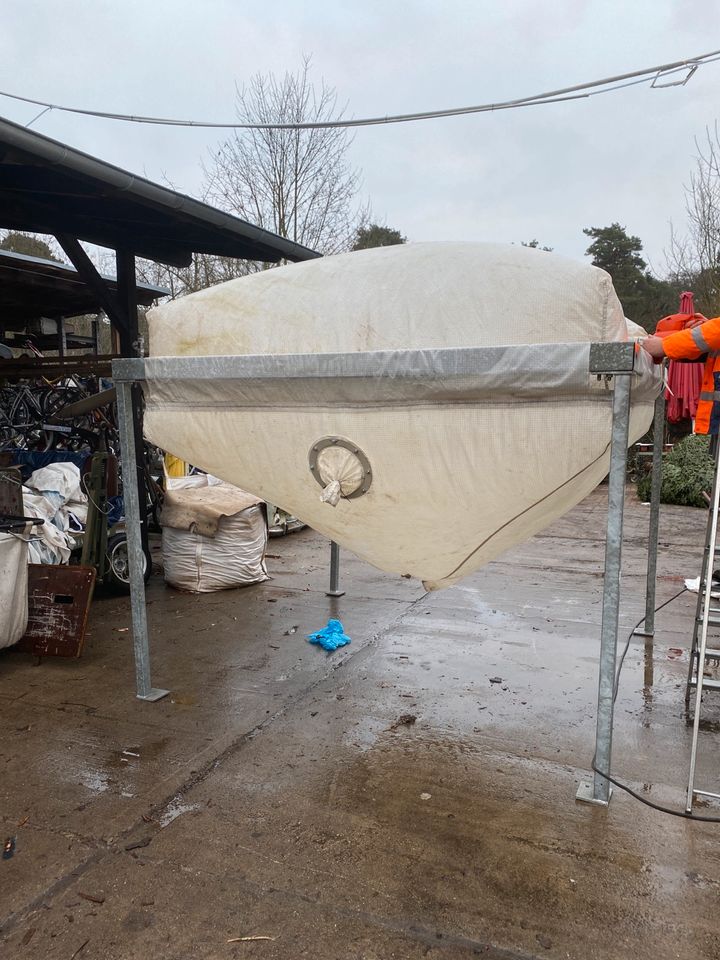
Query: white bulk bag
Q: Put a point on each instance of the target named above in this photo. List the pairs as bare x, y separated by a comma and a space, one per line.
13, 587
468, 454
233, 557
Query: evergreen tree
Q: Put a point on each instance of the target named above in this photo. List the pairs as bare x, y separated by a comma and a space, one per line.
375, 235
28, 245
644, 298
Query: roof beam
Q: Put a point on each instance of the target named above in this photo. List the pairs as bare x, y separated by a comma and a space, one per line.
126, 281
42, 218
31, 287
86, 268
122, 224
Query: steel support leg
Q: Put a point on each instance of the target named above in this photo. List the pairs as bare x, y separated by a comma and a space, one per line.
136, 555
334, 590
658, 437
599, 791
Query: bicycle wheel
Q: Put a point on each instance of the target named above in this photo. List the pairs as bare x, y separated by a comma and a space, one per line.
6, 427
20, 415
32, 398
54, 399
71, 438
119, 567
8, 432
15, 420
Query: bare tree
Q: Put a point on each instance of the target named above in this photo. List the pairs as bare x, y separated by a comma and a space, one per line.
205, 270
296, 183
694, 258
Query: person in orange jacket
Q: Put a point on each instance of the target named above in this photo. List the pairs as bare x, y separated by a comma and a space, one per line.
700, 337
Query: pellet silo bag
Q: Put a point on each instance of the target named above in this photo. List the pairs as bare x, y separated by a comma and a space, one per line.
364, 411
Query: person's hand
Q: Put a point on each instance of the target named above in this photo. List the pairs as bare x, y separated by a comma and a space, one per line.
654, 346
695, 320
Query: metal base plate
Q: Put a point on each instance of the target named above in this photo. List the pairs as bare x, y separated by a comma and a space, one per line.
585, 794
155, 694
643, 633
334, 593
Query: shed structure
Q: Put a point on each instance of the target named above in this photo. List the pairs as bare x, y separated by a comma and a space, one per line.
49, 187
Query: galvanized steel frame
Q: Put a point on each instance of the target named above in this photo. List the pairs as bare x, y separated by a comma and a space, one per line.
613, 361
648, 626
134, 532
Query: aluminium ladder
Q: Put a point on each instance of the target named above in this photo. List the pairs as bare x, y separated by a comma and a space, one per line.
705, 617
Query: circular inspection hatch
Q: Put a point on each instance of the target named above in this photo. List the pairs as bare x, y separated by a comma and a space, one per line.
339, 459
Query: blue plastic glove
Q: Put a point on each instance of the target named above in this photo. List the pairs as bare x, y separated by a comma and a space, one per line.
330, 637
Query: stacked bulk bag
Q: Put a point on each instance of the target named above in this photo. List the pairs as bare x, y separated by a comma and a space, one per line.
214, 535
13, 586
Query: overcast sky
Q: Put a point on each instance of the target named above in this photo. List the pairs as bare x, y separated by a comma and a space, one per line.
542, 172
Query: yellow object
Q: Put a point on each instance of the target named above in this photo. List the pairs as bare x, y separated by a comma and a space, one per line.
174, 466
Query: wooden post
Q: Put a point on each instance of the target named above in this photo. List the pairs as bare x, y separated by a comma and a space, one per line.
121, 308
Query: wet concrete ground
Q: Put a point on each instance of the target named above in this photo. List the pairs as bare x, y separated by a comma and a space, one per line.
385, 801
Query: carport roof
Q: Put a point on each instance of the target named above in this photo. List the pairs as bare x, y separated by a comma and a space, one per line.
49, 187
31, 287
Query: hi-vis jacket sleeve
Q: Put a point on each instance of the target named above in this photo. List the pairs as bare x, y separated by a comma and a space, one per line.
692, 344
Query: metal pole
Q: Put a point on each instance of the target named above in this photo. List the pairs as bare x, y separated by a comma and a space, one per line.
131, 346
136, 555
599, 791
658, 437
334, 590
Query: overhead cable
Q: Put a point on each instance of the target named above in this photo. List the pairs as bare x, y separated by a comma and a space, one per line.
655, 76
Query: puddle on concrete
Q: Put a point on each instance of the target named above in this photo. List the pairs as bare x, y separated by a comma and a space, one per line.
365, 733
116, 769
456, 819
149, 749
709, 726
184, 699
176, 808
95, 780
